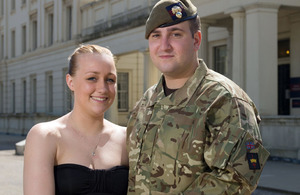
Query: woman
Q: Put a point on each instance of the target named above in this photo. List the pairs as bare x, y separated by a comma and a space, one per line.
80, 152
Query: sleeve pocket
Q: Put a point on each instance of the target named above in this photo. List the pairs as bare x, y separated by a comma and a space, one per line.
249, 159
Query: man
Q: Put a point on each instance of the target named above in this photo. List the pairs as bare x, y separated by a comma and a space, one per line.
195, 131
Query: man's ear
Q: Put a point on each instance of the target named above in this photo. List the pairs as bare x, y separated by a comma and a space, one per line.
197, 40
69, 81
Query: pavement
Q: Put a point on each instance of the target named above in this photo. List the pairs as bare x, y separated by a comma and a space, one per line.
278, 177
11, 166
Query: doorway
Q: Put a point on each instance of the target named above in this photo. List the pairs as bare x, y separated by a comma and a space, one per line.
284, 89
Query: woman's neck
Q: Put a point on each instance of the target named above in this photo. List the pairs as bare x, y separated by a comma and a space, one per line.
85, 123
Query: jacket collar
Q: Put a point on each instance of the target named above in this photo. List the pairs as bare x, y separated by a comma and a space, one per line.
181, 96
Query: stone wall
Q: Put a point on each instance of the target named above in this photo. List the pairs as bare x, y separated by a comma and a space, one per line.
281, 136
20, 124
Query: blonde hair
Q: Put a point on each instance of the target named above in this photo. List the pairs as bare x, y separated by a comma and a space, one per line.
85, 49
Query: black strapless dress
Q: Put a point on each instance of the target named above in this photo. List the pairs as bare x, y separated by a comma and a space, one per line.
72, 179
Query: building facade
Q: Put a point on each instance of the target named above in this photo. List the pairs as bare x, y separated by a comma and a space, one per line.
256, 43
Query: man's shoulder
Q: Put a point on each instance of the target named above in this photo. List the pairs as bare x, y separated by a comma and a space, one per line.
149, 92
219, 83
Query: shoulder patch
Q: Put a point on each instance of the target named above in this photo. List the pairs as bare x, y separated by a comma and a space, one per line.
250, 145
253, 161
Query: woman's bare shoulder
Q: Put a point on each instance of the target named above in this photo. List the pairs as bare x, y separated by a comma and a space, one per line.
116, 126
41, 142
47, 129
116, 129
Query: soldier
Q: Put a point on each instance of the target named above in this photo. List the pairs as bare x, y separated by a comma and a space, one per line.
195, 131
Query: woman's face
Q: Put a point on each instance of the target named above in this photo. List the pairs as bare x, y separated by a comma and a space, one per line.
94, 83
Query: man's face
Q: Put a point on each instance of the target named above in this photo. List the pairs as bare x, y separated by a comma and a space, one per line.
174, 51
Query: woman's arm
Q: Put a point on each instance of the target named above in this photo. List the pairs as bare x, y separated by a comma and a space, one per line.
39, 158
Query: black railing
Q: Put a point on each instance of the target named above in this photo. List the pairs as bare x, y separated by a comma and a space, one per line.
118, 23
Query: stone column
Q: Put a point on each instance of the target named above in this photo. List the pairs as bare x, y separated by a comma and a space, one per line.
203, 51
261, 56
59, 21
238, 59
40, 25
41, 92
229, 68
76, 19
295, 46
55, 21
295, 51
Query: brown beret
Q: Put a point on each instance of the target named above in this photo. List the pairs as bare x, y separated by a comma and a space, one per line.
169, 12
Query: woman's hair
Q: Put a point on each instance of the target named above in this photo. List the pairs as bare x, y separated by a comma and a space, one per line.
85, 49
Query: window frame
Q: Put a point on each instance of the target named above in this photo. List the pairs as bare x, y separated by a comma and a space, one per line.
1, 97
13, 96
24, 39
13, 43
24, 95
220, 65
123, 92
33, 94
49, 92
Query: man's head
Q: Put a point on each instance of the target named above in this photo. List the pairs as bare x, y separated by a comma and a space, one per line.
170, 12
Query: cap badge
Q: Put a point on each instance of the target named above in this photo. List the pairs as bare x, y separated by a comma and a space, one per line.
176, 10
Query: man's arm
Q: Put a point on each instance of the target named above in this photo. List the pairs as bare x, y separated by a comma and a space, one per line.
235, 154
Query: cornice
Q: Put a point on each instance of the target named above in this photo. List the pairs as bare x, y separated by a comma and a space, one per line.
208, 21
295, 18
238, 9
261, 5
42, 51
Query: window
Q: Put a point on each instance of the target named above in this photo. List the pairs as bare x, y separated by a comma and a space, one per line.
33, 94
69, 23
34, 31
50, 29
284, 48
220, 59
24, 96
2, 47
123, 91
1, 7
34, 35
13, 43
49, 92
24, 45
68, 101
13, 5
117, 7
283, 90
1, 98
13, 97
49, 23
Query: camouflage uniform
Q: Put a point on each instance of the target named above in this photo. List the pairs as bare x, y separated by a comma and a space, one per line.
202, 139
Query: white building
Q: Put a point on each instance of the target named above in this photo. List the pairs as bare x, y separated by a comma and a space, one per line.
256, 43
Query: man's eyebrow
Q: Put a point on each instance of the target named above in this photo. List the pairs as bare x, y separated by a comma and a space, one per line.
169, 30
155, 31
175, 28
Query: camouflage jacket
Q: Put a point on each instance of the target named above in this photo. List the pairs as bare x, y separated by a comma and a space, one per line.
202, 139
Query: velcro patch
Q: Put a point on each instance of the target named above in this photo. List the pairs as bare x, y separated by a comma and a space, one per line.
250, 145
253, 161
